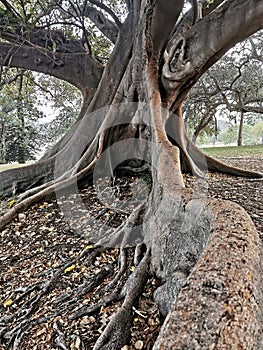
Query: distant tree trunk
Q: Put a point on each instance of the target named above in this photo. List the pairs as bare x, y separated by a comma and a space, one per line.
203, 123
240, 129
216, 130
21, 129
2, 142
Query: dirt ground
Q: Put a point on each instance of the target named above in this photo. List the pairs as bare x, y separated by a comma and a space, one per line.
54, 283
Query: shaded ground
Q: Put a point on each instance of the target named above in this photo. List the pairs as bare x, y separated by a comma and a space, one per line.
246, 192
54, 284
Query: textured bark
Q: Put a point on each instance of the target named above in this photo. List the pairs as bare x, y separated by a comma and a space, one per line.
206, 253
79, 69
206, 43
220, 303
179, 227
107, 27
240, 130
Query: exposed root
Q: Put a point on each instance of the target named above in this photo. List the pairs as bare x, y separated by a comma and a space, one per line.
20, 179
44, 194
193, 158
179, 129
122, 269
168, 155
59, 339
215, 165
123, 236
74, 294
87, 310
117, 332
15, 327
22, 316
69, 173
223, 293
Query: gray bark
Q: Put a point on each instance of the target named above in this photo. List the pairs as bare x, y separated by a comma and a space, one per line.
220, 304
79, 69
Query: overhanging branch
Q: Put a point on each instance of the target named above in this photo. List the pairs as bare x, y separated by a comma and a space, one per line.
108, 10
208, 41
106, 26
79, 69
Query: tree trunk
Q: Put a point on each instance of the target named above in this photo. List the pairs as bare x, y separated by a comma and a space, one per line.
204, 122
206, 254
240, 129
3, 143
20, 116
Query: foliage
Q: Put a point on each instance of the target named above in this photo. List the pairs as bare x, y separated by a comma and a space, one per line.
230, 135
19, 119
257, 131
62, 103
59, 99
48, 107
231, 85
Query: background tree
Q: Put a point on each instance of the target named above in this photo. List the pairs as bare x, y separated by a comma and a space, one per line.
231, 88
28, 102
257, 130
20, 128
133, 103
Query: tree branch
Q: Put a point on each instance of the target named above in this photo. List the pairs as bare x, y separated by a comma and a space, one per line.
10, 8
241, 105
245, 109
165, 15
187, 20
106, 26
239, 74
206, 42
79, 69
108, 10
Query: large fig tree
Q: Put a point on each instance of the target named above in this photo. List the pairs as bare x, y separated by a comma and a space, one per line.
206, 253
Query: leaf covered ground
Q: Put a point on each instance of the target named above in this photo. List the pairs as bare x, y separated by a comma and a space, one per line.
55, 285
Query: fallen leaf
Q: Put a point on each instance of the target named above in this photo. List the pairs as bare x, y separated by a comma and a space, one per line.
139, 345
70, 268
12, 202
8, 303
88, 247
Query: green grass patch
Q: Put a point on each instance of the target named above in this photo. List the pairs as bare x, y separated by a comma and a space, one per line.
235, 151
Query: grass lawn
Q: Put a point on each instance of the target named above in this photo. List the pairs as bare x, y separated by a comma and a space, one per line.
234, 151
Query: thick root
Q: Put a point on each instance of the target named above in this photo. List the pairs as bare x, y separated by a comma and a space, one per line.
193, 159
215, 165
21, 179
44, 194
117, 332
220, 303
